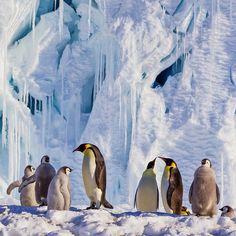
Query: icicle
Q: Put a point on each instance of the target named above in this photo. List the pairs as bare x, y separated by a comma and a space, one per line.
44, 117
120, 104
126, 122
49, 118
230, 10
61, 22
3, 77
55, 4
101, 69
62, 91
104, 8
33, 21
77, 115
97, 71
89, 17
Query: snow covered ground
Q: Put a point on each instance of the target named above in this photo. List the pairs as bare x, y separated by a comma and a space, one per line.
17, 220
85, 71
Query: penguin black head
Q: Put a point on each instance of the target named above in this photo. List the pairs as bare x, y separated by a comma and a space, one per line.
29, 169
185, 211
82, 147
206, 162
45, 159
226, 209
67, 170
169, 162
151, 164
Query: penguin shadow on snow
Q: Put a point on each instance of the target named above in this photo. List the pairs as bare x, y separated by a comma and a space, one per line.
16, 209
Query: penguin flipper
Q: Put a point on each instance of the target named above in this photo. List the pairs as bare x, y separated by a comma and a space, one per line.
190, 193
66, 195
217, 194
27, 181
100, 171
175, 191
135, 197
13, 185
157, 198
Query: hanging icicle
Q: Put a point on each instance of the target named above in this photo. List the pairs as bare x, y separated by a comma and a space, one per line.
89, 18
61, 17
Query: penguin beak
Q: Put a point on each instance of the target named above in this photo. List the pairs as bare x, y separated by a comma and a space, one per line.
82, 147
162, 158
77, 149
221, 209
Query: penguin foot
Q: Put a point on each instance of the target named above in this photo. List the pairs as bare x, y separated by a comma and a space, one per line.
92, 207
43, 204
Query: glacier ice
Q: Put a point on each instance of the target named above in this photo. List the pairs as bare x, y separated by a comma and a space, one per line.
82, 71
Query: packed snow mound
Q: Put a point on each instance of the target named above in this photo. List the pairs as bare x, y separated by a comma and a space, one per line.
16, 220
135, 78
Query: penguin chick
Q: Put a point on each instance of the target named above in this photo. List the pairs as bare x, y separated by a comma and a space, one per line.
27, 194
147, 193
94, 175
58, 197
204, 193
171, 187
227, 211
185, 211
42, 177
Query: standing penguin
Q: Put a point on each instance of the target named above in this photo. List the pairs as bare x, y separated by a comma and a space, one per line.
204, 193
27, 194
58, 197
94, 175
42, 177
227, 211
147, 194
171, 187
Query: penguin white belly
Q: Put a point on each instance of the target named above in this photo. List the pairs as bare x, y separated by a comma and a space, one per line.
88, 171
27, 196
146, 198
55, 199
164, 188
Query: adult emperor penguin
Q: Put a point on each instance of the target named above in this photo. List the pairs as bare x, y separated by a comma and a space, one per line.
58, 197
94, 175
147, 193
227, 211
171, 187
42, 177
204, 193
27, 194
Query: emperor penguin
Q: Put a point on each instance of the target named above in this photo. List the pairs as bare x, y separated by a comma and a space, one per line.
94, 175
204, 193
42, 177
58, 197
27, 194
171, 187
147, 193
228, 211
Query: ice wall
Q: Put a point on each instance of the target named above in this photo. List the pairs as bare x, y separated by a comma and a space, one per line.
83, 70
